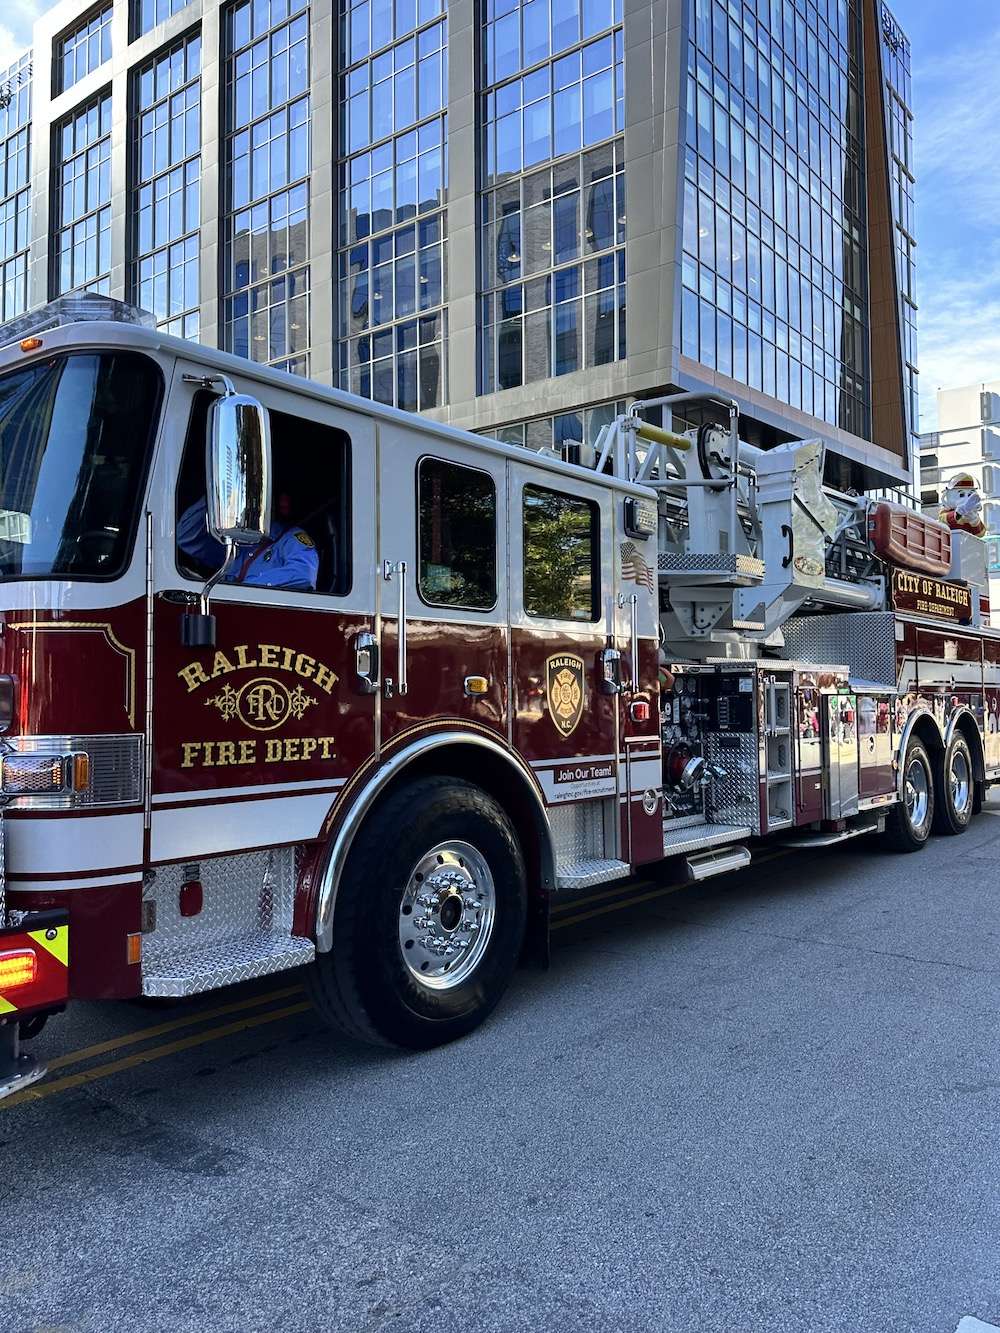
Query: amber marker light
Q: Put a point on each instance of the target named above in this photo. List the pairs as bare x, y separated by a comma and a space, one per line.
133, 949
30, 344
18, 967
79, 773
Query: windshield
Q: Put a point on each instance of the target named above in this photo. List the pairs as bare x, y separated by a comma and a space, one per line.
75, 434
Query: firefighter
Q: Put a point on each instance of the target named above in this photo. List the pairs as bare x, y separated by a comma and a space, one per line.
287, 558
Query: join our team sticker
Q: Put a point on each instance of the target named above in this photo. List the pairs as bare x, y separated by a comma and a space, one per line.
564, 690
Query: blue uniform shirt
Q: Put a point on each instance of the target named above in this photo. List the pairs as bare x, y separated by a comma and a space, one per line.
288, 560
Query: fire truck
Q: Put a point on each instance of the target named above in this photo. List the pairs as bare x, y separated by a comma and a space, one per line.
291, 679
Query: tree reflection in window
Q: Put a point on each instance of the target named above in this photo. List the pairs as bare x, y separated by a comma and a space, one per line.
561, 551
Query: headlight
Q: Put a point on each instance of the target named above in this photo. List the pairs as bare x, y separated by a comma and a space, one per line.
43, 774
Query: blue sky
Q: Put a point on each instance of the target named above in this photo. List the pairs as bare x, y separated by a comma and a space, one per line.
956, 96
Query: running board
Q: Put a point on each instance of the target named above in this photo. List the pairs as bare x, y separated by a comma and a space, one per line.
585, 874
707, 864
190, 969
809, 840
678, 842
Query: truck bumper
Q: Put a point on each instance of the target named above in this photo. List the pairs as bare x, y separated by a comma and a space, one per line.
34, 980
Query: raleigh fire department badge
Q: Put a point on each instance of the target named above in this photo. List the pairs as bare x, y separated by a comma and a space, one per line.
564, 690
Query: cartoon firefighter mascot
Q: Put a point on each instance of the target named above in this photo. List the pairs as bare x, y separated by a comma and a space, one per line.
962, 505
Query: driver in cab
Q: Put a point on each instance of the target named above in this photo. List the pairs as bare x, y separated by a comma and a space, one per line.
286, 558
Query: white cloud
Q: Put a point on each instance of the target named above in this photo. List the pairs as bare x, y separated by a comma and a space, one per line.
16, 20
957, 110
957, 115
959, 328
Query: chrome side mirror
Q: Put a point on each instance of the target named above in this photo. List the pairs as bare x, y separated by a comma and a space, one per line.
237, 491
238, 468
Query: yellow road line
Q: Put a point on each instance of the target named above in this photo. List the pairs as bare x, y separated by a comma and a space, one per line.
661, 892
158, 1029
39, 1091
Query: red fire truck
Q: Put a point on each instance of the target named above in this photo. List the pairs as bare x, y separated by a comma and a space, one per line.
288, 677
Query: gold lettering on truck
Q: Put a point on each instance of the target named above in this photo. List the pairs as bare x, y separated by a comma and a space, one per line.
264, 703
268, 655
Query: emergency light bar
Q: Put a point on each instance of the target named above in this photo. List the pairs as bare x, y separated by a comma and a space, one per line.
80, 308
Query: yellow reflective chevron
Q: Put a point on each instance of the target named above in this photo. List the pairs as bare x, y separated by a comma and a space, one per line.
6, 1007
58, 948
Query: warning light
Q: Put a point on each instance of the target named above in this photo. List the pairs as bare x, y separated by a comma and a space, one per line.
18, 967
30, 344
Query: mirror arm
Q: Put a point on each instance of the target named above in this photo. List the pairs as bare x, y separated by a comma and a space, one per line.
217, 577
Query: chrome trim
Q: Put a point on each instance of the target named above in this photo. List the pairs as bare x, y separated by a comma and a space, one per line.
116, 770
904, 741
633, 612
953, 722
389, 570
147, 776
336, 859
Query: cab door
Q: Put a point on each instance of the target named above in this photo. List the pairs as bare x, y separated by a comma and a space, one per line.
253, 738
563, 599
442, 577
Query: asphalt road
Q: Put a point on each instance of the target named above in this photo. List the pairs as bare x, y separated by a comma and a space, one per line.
767, 1103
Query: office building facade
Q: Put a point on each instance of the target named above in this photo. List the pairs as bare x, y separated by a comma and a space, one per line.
515, 215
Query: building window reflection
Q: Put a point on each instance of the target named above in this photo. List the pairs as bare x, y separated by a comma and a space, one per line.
15, 192
82, 238
552, 259
84, 48
392, 320
166, 195
774, 269
267, 159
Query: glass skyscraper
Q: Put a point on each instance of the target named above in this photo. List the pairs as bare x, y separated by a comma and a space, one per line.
516, 215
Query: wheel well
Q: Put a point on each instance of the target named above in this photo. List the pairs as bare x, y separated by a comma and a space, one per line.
495, 776
967, 726
925, 729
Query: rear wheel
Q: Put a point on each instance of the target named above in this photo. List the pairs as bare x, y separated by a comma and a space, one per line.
908, 825
956, 789
429, 921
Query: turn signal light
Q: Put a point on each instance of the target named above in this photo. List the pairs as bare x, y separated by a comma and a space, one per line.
79, 772
18, 967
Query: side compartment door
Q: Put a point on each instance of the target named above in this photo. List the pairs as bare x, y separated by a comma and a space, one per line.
442, 580
562, 618
254, 737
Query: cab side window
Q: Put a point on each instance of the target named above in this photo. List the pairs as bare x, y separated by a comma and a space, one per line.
561, 555
309, 546
457, 535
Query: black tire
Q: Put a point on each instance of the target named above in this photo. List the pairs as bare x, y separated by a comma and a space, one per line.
364, 985
955, 788
902, 833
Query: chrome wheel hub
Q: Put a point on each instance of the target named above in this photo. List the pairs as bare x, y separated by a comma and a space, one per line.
960, 781
916, 793
446, 915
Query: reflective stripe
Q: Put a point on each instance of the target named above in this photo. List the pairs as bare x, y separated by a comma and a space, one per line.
58, 948
6, 1007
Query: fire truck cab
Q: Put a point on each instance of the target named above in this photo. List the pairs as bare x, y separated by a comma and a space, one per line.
289, 677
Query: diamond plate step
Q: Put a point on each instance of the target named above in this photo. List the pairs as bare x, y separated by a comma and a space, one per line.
193, 968
585, 874
678, 842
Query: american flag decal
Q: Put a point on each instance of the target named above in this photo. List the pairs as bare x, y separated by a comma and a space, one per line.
634, 567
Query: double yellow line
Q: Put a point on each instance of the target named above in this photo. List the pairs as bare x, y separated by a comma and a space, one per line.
613, 899
39, 1091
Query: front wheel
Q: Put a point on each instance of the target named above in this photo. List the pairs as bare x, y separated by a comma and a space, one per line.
956, 789
429, 921
908, 825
